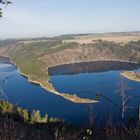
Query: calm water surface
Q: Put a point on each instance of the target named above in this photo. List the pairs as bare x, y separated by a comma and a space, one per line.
83, 79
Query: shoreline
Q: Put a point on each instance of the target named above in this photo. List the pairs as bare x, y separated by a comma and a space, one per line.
130, 75
88, 61
49, 87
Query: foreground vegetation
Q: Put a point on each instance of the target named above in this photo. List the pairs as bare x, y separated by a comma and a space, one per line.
23, 114
17, 123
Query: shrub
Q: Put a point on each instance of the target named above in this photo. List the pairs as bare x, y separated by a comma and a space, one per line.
23, 114
6, 107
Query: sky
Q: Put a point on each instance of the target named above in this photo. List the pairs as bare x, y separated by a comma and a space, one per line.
40, 18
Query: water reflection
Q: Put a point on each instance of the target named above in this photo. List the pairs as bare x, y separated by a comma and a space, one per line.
89, 67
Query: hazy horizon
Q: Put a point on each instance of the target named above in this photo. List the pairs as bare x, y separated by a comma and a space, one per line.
29, 19
57, 35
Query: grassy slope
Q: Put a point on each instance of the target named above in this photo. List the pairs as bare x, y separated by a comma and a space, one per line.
27, 59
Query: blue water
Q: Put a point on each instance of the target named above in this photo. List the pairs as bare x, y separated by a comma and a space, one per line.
86, 85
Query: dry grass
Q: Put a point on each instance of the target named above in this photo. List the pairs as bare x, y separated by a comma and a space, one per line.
117, 38
131, 75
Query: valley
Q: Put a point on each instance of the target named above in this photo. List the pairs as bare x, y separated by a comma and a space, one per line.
34, 58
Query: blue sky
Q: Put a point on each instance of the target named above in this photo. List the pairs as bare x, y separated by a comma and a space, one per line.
32, 18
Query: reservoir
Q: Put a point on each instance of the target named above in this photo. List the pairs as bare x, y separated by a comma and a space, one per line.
99, 80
